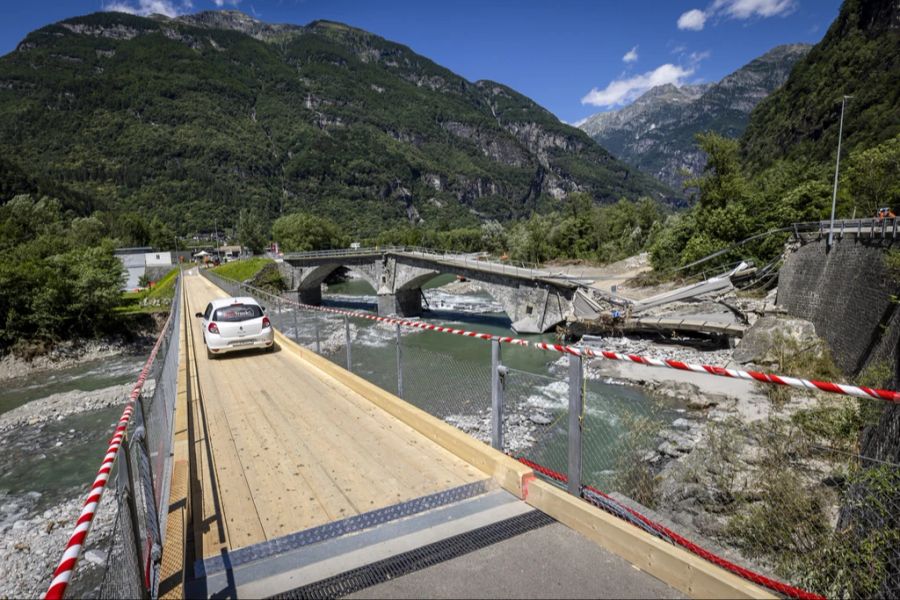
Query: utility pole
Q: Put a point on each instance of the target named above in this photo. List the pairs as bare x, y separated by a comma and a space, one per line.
216, 228
837, 167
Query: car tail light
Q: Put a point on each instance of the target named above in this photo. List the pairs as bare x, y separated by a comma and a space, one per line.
213, 328
266, 322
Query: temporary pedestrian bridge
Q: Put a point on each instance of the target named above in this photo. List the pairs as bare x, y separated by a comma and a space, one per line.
285, 474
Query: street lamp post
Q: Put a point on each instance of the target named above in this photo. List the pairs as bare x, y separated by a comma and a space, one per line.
837, 167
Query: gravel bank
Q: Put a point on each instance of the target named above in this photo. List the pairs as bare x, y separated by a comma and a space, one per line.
58, 406
30, 548
68, 354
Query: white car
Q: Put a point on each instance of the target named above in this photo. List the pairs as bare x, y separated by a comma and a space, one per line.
231, 324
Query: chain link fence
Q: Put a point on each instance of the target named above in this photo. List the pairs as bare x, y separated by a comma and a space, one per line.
789, 489
128, 525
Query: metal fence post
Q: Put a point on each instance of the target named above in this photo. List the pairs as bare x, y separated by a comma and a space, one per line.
318, 341
347, 333
498, 381
126, 483
399, 364
576, 411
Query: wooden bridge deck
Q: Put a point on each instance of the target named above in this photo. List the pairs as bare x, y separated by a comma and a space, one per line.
279, 446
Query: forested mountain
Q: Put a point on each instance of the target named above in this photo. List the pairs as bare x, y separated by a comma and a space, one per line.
204, 115
656, 132
859, 56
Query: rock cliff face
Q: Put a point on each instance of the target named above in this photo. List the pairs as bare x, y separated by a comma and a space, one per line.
656, 132
221, 110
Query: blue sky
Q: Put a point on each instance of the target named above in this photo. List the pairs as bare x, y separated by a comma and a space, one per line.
575, 58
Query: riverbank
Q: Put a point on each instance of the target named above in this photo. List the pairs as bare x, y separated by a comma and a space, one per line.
30, 548
70, 354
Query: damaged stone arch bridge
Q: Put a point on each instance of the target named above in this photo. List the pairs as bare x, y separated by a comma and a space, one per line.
535, 301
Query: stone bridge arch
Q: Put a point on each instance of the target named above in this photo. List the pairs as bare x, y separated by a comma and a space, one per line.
534, 305
531, 307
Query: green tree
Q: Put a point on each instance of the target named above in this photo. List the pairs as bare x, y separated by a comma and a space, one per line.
302, 232
872, 177
160, 235
251, 231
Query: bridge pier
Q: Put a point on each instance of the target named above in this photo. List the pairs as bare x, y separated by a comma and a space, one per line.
403, 303
311, 296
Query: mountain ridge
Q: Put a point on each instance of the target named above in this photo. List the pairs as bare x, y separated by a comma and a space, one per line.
656, 132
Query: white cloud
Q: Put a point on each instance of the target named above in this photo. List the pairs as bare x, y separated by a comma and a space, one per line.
149, 7
695, 19
622, 91
696, 57
221, 3
631, 55
744, 9
692, 20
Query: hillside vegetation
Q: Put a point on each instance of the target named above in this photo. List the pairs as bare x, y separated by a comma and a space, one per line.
202, 116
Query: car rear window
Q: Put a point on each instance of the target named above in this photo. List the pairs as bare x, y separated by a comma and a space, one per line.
237, 312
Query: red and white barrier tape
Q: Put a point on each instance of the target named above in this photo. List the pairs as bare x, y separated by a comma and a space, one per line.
807, 384
66, 567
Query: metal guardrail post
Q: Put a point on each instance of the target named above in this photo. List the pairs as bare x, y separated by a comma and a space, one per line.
347, 333
399, 364
498, 381
576, 412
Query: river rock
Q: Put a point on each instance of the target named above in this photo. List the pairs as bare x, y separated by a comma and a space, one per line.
540, 419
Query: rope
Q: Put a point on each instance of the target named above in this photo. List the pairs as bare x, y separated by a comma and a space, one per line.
66, 567
597, 497
796, 382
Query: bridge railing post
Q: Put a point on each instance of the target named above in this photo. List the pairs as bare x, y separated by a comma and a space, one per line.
318, 337
576, 422
347, 334
399, 363
498, 383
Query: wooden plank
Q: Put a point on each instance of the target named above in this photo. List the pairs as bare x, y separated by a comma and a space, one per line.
671, 564
507, 471
388, 452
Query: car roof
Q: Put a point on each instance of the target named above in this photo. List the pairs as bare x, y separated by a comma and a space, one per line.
220, 302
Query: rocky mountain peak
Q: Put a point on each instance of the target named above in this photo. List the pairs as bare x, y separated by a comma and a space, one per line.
656, 132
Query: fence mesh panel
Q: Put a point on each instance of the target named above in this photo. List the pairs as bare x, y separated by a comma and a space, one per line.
455, 390
538, 405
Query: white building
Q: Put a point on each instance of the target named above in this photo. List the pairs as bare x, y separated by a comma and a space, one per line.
140, 261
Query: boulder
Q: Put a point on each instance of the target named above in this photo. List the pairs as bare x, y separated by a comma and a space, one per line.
761, 342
